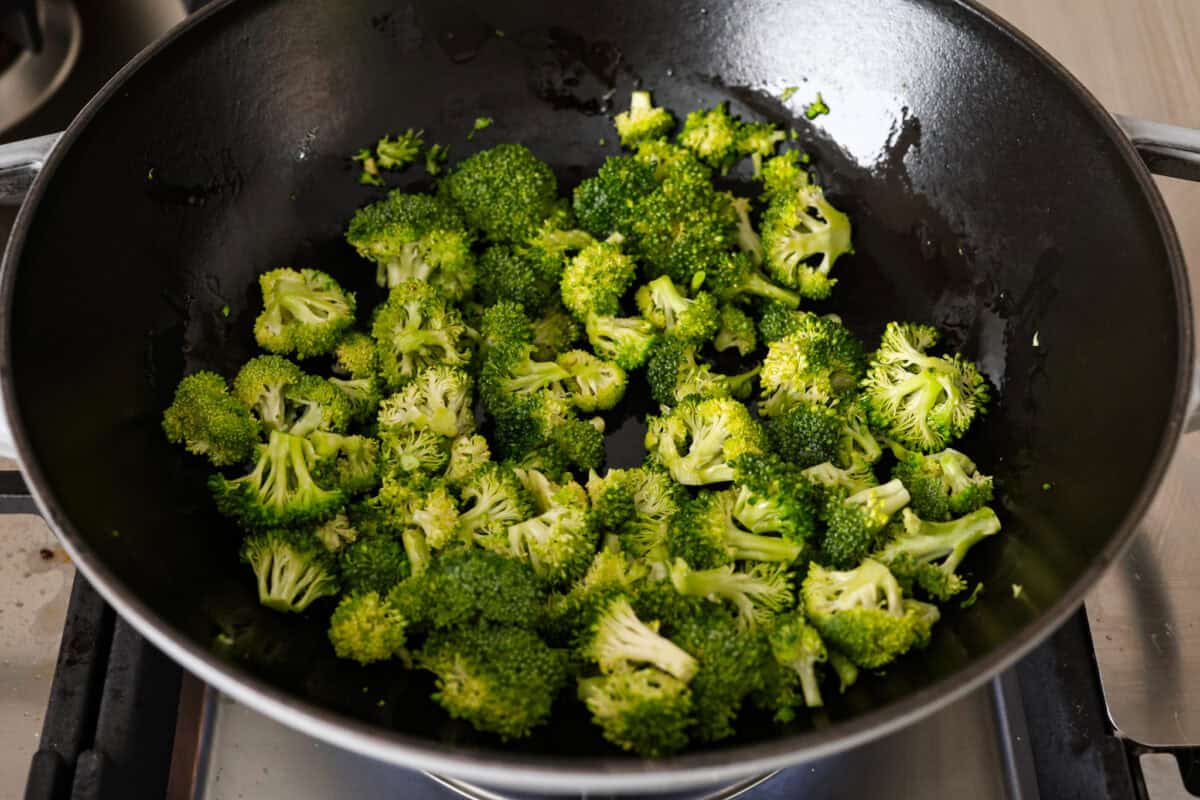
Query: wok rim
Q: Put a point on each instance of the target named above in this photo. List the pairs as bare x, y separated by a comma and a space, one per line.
610, 773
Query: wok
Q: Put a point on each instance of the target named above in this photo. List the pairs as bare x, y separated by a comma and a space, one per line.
991, 196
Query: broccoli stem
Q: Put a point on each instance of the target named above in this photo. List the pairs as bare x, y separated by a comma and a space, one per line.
755, 547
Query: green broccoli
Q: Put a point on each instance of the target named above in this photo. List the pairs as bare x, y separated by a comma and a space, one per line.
408, 450
518, 275
736, 331
773, 497
280, 490
293, 569
758, 140
683, 227
623, 340
435, 158
806, 434
713, 135
469, 586
398, 153
506, 192
698, 440
821, 363
705, 535
734, 277
594, 384
799, 226
467, 454
209, 422
730, 658
606, 203
349, 463
493, 495
415, 237
784, 175
643, 710
612, 499
756, 594
617, 640
501, 679
555, 332
692, 319
863, 614
595, 279
354, 356
366, 629
656, 501
437, 517
362, 395
918, 544
414, 329
797, 649
920, 400
941, 484
857, 444
504, 322
510, 375
828, 476
546, 421
643, 120
674, 375
304, 312
438, 399
558, 543
671, 161
336, 532
373, 563
854, 522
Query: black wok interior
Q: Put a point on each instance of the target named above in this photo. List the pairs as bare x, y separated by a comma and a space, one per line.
987, 199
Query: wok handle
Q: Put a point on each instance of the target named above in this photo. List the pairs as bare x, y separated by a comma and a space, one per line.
1173, 151
20, 163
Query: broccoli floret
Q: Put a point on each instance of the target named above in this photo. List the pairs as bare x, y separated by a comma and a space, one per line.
656, 501
354, 356
437, 517
610, 574
806, 434
612, 499
920, 400
558, 543
731, 660
554, 332
415, 237
605, 203
435, 158
469, 586
350, 463
505, 191
919, 543
698, 440
758, 140
777, 320
407, 450
863, 614
280, 490
705, 535
594, 280
797, 649
467, 454
546, 422
504, 322
263, 384
304, 312
692, 319
336, 532
501, 679
398, 153
857, 445
684, 226
293, 569
845, 669
784, 175
855, 521
493, 496
519, 276
366, 629
511, 375
674, 375
756, 594
437, 399
643, 120
712, 134
624, 340
209, 422
373, 563
415, 329
315, 404
594, 384
362, 395
671, 161
618, 640
773, 497
736, 331
820, 363
804, 236
733, 277
642, 710
557, 237
941, 484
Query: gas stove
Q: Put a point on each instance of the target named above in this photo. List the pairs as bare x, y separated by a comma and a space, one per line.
1108, 708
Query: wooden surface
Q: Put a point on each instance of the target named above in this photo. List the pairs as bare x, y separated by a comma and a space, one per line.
1139, 57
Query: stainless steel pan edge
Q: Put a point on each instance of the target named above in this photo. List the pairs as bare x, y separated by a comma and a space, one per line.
607, 775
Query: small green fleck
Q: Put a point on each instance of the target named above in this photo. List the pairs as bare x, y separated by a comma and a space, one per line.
381, 703
370, 173
225, 311
1016, 590
480, 124
793, 134
224, 640
601, 141
116, 534
698, 280
971, 598
805, 158
435, 158
816, 108
150, 174
787, 93
365, 690
1047, 486
499, 34
1036, 343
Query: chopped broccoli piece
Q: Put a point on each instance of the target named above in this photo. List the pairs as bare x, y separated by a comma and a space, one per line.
618, 639
558, 543
466, 587
816, 108
730, 659
304, 312
519, 275
758, 140
554, 333
919, 543
408, 450
481, 123
688, 319
774, 497
398, 153
437, 399
414, 329
467, 454
643, 710
736, 331
624, 340
699, 439
674, 375
594, 384
435, 158
366, 629
209, 422
941, 484
373, 563
784, 174
713, 135
506, 192
293, 569
705, 535
821, 363
797, 649
806, 434
606, 203
594, 280
799, 226
756, 594
643, 120
349, 463
493, 496
856, 521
